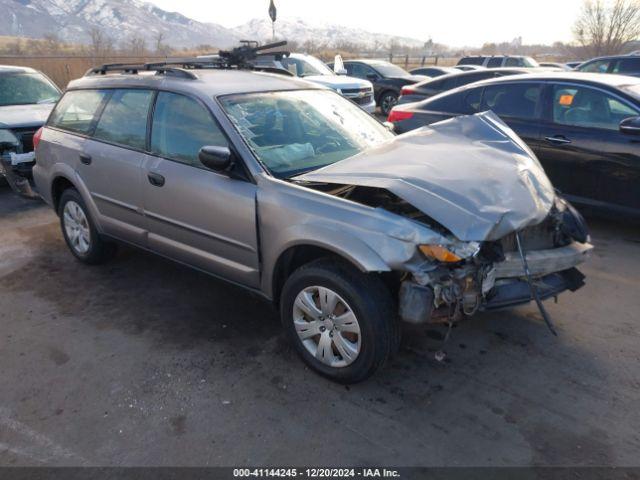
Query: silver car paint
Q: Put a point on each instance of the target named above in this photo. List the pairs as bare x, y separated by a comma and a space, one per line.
220, 236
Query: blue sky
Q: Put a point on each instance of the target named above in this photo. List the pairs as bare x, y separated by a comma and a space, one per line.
455, 22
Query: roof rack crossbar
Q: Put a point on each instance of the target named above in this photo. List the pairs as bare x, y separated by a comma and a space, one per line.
240, 57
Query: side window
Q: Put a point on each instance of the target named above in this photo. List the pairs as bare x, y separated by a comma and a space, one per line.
446, 103
181, 127
357, 70
516, 100
627, 65
513, 62
598, 66
124, 119
471, 101
450, 83
589, 108
77, 109
494, 62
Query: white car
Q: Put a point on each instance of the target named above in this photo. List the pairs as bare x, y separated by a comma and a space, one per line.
314, 70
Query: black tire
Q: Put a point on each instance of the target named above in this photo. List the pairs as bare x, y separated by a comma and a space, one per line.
100, 250
370, 301
388, 100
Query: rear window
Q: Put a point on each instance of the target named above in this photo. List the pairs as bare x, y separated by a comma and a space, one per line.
124, 119
77, 109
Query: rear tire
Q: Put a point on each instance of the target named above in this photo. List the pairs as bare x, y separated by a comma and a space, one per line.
341, 321
80, 232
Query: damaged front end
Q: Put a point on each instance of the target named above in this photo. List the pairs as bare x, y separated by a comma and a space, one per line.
17, 159
496, 276
509, 238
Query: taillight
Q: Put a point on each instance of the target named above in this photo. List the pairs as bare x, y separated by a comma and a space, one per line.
407, 90
398, 115
36, 138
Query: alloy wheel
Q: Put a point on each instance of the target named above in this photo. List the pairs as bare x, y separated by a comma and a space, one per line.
76, 227
327, 326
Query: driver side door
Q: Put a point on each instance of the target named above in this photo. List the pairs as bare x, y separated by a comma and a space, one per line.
193, 214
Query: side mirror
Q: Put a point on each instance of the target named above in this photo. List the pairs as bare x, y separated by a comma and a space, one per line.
218, 159
372, 77
630, 126
342, 71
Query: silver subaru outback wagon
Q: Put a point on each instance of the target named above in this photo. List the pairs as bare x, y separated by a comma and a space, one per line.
291, 191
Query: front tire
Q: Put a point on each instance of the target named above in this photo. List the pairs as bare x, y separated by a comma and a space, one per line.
388, 100
341, 321
80, 232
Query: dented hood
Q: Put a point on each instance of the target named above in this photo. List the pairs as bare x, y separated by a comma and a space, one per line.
471, 174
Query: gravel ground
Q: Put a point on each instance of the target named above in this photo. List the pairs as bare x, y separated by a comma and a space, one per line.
145, 362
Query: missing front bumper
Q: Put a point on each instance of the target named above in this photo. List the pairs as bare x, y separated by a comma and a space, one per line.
416, 302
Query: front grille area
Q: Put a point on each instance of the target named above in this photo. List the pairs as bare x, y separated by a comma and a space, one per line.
537, 237
25, 135
355, 91
362, 100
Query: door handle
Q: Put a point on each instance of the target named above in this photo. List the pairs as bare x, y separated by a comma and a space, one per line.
558, 140
155, 179
86, 159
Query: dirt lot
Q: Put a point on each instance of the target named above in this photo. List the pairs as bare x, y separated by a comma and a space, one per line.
144, 362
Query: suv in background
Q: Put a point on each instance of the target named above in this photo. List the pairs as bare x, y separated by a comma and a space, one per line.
26, 99
360, 91
620, 64
291, 191
498, 61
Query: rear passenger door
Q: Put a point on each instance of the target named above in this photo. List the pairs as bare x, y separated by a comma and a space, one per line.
195, 215
111, 162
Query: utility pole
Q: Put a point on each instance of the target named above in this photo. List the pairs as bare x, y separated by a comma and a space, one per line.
273, 13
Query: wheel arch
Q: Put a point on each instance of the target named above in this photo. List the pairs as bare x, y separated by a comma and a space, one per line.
300, 253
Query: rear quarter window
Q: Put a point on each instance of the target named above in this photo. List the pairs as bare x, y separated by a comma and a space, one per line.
124, 119
77, 110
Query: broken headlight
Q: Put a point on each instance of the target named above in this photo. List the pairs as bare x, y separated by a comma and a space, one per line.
451, 253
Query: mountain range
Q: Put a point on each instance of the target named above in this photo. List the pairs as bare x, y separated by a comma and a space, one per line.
74, 20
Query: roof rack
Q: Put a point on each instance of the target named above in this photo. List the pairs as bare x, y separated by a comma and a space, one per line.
240, 58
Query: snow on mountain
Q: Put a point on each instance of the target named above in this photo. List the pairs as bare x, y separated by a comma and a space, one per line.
319, 33
73, 20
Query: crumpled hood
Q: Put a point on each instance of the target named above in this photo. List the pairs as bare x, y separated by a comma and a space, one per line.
17, 116
471, 174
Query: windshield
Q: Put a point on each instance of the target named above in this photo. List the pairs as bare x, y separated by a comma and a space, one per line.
298, 131
530, 62
26, 88
387, 69
303, 67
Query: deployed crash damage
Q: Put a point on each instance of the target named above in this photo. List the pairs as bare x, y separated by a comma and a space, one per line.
508, 237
